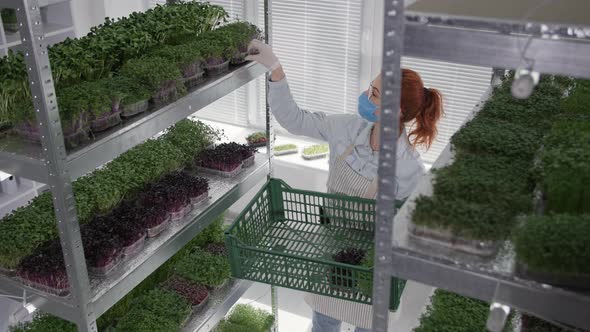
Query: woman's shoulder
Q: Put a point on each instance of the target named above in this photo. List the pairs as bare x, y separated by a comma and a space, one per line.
405, 149
352, 123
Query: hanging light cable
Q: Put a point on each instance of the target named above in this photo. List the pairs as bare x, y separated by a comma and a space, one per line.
526, 78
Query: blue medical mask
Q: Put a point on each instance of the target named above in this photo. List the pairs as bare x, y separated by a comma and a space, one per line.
367, 108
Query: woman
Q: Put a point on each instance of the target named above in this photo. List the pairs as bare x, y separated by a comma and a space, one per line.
354, 152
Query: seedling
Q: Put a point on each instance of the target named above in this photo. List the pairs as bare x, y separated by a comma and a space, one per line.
451, 312
204, 268
195, 294
226, 158
157, 310
555, 244
316, 151
257, 139
160, 76
43, 322
462, 218
285, 147
246, 318
46, 269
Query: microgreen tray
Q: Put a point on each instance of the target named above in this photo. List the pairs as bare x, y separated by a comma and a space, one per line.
156, 230
134, 109
285, 152
239, 58
229, 174
11, 27
175, 216
444, 238
220, 287
577, 281
198, 307
314, 156
28, 135
55, 291
191, 82
187, 318
257, 144
7, 272
166, 93
217, 69
196, 201
105, 121
134, 248
104, 271
76, 138
278, 239
248, 162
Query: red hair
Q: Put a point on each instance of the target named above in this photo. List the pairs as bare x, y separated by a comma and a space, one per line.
421, 105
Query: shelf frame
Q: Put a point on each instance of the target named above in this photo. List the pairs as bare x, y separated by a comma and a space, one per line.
56, 168
109, 145
552, 49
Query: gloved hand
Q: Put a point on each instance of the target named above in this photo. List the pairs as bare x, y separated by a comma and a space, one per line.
262, 53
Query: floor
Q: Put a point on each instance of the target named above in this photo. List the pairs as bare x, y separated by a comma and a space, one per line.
295, 315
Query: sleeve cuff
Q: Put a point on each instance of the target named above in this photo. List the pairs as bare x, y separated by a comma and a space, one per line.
280, 83
279, 88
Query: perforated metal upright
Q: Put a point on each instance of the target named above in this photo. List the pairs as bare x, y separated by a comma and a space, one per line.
270, 145
390, 107
44, 98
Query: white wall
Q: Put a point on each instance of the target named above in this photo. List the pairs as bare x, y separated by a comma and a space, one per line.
89, 13
86, 14
121, 8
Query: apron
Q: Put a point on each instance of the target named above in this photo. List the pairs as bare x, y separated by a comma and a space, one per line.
342, 179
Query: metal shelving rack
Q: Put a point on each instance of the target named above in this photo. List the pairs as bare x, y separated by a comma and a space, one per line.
455, 31
54, 11
90, 297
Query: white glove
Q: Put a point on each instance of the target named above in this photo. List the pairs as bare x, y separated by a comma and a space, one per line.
263, 54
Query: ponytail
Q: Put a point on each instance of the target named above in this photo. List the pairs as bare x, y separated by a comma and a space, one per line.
422, 106
425, 130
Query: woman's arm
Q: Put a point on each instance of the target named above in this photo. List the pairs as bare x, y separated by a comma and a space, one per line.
296, 120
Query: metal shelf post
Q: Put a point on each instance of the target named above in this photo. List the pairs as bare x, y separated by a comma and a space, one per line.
46, 111
390, 108
270, 145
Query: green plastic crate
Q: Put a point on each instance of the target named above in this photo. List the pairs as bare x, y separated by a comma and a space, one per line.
279, 239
